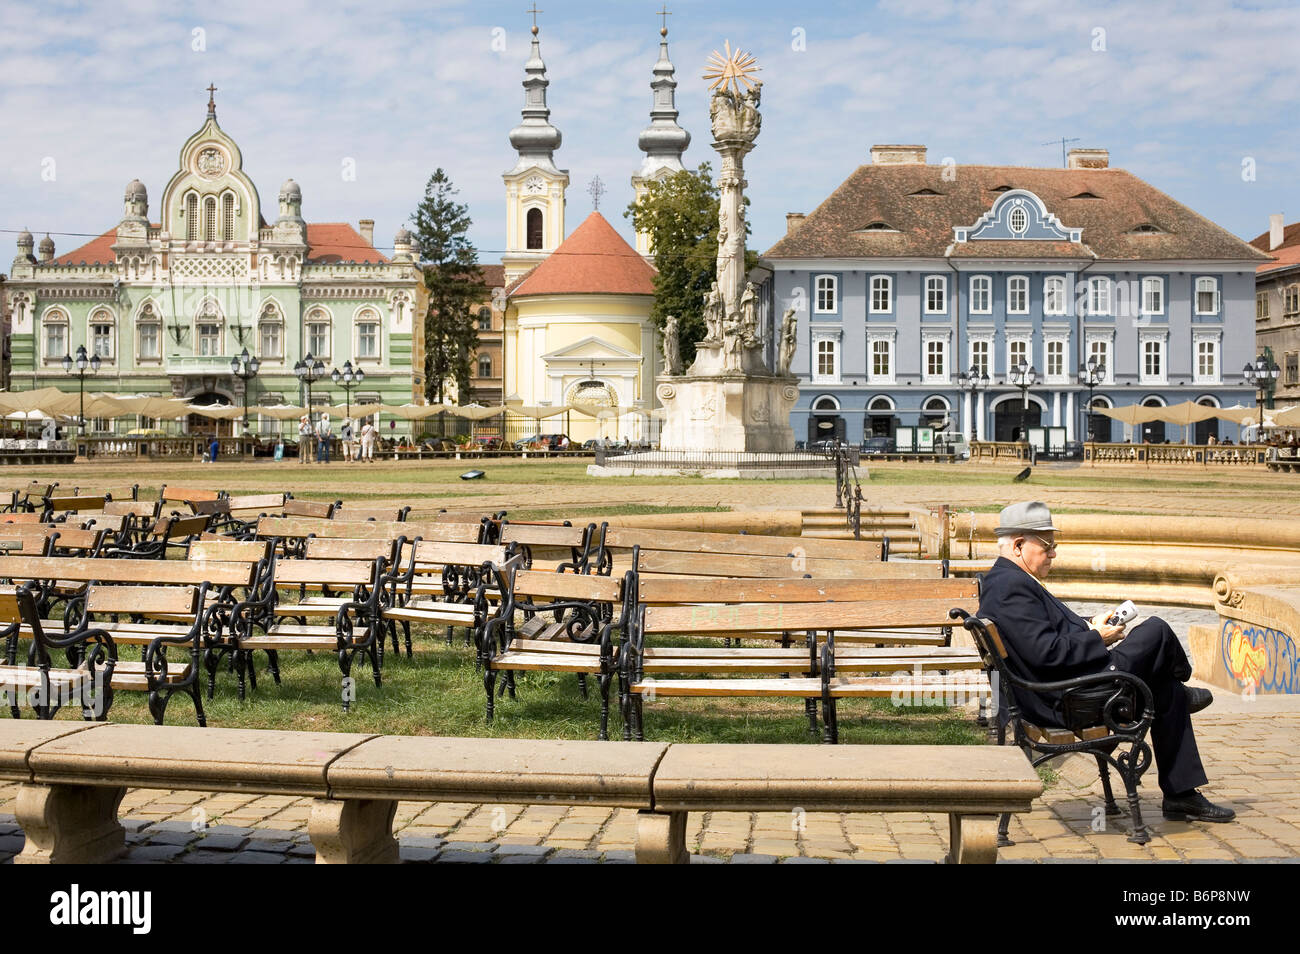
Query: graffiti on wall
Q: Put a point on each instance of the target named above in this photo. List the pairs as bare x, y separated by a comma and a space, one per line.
1259, 657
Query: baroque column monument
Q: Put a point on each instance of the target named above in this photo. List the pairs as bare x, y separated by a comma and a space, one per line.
728, 399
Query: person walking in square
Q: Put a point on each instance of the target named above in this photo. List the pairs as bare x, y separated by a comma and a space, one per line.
323, 435
346, 435
368, 435
304, 439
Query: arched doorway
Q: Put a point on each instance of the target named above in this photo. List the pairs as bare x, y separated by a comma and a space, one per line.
936, 413
1099, 425
1209, 428
1153, 432
200, 426
1010, 418
824, 424
881, 421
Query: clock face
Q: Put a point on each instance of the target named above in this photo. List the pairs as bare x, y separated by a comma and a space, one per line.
535, 184
211, 163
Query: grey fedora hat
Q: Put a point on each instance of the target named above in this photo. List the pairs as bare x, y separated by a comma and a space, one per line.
1031, 515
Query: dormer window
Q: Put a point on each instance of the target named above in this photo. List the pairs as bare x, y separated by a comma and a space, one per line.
1001, 188
1146, 228
1085, 195
878, 227
924, 192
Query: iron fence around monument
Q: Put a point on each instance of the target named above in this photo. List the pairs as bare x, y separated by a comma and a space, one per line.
716, 460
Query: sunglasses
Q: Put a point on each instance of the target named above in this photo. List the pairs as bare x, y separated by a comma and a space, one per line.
1046, 545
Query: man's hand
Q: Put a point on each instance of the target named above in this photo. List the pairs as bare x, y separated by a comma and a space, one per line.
1109, 634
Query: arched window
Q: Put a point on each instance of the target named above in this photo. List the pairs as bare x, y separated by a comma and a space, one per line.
318, 334
102, 335
534, 228
191, 218
485, 318
270, 334
148, 327
55, 323
228, 217
209, 219
367, 335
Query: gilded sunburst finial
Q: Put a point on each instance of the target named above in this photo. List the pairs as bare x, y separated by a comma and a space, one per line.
731, 69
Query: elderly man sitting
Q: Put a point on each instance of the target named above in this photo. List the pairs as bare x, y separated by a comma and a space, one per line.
1047, 641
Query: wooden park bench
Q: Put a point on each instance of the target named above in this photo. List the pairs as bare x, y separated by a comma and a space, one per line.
817, 670
45, 687
541, 544
73, 778
1102, 712
465, 585
567, 626
24, 498
381, 515
608, 541
170, 532
57, 507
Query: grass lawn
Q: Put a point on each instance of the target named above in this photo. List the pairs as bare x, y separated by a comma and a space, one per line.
439, 692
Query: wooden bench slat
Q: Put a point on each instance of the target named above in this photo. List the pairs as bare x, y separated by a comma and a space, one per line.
802, 616
84, 569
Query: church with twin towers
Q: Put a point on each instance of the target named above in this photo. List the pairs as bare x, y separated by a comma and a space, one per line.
573, 313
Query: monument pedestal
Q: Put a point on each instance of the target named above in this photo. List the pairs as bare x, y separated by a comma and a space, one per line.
730, 412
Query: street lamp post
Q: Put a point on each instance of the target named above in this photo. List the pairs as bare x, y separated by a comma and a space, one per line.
1024, 377
80, 363
309, 369
348, 379
1262, 375
244, 368
973, 382
1091, 375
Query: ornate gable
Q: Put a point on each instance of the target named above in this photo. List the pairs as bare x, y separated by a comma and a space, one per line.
1018, 214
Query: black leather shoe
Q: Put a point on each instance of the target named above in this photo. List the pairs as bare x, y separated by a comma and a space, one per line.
1195, 807
1198, 699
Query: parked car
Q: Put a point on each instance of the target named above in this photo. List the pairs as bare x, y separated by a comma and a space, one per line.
1073, 450
552, 441
485, 443
878, 445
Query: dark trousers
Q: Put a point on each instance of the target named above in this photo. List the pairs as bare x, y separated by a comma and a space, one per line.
1153, 654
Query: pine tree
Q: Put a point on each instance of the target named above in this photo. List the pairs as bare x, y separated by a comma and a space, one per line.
680, 213
455, 282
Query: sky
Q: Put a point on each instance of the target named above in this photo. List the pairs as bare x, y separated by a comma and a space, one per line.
360, 103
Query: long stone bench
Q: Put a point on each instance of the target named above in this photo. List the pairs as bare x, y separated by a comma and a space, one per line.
74, 776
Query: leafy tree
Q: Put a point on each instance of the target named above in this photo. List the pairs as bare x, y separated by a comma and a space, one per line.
680, 214
456, 284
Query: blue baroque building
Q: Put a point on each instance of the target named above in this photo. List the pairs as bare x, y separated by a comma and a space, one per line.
910, 276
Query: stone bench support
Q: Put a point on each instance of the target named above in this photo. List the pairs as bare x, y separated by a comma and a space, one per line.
69, 824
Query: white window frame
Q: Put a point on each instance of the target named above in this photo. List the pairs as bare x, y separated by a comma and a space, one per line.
213, 321
156, 328
1100, 288
833, 339
988, 364
104, 319
53, 319
927, 339
379, 340
1106, 338
1015, 337
1213, 290
1061, 284
268, 322
1156, 284
888, 337
320, 317
1158, 337
888, 283
941, 281
987, 282
833, 287
1062, 339
481, 359
1214, 338
1017, 311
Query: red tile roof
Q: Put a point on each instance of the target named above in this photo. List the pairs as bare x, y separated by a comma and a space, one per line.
593, 260
1287, 254
494, 276
339, 242
98, 251
326, 241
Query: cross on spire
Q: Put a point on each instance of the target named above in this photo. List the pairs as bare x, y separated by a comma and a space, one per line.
212, 103
534, 11
664, 15
596, 189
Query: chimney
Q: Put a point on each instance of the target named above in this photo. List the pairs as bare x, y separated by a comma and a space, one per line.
1275, 230
1088, 159
367, 229
898, 155
793, 220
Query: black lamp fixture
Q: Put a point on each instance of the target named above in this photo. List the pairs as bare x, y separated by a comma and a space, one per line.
309, 369
1262, 375
348, 379
245, 368
1091, 375
78, 366
1024, 377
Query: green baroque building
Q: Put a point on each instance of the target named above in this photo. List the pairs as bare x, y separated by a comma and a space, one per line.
167, 304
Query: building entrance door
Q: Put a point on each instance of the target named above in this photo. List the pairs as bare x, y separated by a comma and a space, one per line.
1009, 417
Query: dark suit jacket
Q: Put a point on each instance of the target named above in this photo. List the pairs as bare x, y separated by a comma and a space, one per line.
1045, 639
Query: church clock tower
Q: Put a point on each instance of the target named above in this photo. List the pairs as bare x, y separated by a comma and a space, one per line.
534, 187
